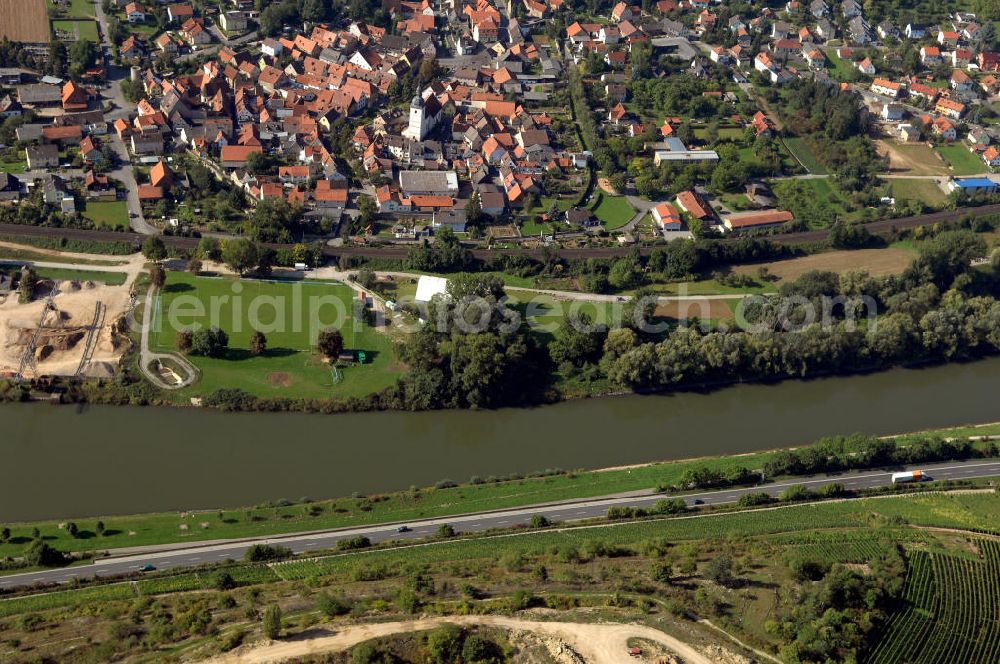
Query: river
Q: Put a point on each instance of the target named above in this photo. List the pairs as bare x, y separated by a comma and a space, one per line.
69, 461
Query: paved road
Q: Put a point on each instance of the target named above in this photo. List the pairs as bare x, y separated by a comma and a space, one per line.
185, 555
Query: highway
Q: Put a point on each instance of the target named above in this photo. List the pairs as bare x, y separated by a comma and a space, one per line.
186, 555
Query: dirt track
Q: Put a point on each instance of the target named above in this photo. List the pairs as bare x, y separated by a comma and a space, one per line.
597, 644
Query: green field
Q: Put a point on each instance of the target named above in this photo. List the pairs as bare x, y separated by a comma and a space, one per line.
800, 149
921, 190
613, 211
113, 214
83, 29
962, 160
289, 368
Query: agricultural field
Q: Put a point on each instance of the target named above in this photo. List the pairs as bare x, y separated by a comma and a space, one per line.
290, 315
926, 191
80, 29
613, 211
107, 214
24, 20
800, 149
877, 262
951, 609
962, 160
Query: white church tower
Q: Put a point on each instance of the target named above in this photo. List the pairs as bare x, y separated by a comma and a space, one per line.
418, 126
424, 116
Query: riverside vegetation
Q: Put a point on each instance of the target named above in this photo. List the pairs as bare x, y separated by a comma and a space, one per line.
831, 581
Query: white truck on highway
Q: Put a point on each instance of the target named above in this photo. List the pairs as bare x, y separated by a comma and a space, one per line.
908, 476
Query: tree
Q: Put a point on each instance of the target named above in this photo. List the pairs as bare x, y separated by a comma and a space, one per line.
331, 605
367, 209
157, 276
478, 649
99, 529
661, 572
445, 530
26, 287
330, 343
474, 210
184, 340
209, 248
41, 554
240, 255
210, 342
445, 643
72, 529
154, 249
224, 581
272, 621
720, 569
5, 534
258, 343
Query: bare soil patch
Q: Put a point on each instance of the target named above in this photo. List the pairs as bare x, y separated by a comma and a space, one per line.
24, 20
599, 644
877, 262
279, 379
912, 158
60, 345
605, 185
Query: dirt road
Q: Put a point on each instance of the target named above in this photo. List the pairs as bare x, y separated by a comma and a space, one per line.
597, 644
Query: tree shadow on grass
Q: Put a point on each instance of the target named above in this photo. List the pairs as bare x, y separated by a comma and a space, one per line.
177, 288
240, 354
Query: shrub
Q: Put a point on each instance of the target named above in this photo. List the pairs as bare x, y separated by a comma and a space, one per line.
266, 552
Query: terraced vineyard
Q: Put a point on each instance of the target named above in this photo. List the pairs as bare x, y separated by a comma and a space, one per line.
951, 612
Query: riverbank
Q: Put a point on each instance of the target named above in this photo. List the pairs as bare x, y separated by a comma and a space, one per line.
136, 532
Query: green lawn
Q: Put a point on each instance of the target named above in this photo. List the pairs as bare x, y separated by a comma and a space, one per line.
532, 227
66, 274
921, 190
290, 314
112, 214
83, 29
841, 70
13, 166
800, 149
614, 211
963, 161
75, 8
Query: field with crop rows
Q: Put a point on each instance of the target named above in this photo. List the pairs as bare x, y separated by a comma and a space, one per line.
951, 611
65, 598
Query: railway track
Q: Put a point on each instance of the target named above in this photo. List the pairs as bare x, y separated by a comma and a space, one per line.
881, 227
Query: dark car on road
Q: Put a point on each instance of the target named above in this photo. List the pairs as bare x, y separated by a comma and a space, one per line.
403, 529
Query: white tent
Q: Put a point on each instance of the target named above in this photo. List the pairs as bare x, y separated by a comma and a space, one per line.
428, 287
